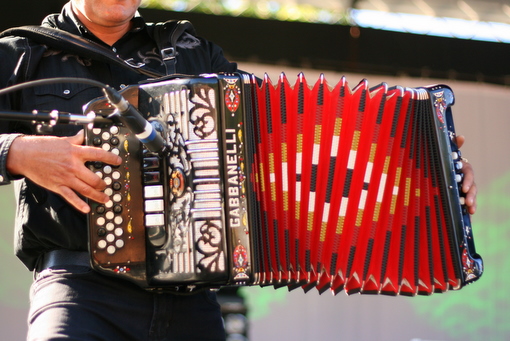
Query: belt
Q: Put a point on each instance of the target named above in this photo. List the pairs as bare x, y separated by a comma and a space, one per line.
59, 258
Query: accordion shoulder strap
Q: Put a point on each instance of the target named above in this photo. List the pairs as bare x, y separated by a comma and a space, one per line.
166, 36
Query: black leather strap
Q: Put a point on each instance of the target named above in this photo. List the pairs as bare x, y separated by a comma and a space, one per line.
166, 36
59, 258
65, 41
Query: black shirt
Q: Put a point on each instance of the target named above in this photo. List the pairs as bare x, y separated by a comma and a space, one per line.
44, 220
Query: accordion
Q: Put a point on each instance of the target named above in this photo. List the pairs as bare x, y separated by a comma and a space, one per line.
287, 185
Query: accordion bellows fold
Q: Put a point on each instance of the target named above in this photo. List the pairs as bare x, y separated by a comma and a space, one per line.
300, 185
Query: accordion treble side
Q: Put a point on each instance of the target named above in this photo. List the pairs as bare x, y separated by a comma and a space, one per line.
285, 185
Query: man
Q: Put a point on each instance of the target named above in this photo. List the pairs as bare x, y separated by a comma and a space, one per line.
68, 300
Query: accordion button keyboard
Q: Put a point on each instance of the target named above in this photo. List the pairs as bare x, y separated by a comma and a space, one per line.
116, 186
114, 141
106, 135
96, 141
101, 244
107, 169
110, 227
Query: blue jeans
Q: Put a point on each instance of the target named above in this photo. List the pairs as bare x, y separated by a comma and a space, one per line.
77, 303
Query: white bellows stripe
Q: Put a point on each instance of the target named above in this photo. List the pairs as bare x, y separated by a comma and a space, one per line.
368, 172
299, 158
334, 145
316, 154
343, 206
381, 188
363, 199
352, 159
311, 203
285, 184
325, 213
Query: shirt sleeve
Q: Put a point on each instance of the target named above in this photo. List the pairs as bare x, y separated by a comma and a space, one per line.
14, 55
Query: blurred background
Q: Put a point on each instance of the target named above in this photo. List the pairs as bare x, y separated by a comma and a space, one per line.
465, 44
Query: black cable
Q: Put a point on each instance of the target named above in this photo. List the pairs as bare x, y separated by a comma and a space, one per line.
47, 81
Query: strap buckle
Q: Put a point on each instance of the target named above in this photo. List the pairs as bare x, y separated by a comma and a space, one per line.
131, 62
168, 53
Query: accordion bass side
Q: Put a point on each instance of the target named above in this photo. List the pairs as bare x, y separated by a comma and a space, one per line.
285, 185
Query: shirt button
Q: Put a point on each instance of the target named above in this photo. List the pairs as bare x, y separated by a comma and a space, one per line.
114, 49
67, 92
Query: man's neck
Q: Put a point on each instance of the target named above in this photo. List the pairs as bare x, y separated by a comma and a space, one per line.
107, 33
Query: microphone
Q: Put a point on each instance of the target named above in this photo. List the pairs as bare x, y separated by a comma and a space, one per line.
135, 122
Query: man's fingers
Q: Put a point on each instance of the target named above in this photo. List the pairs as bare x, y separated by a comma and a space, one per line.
73, 199
460, 139
98, 154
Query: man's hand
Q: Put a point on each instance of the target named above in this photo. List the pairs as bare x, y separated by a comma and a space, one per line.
58, 164
468, 184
